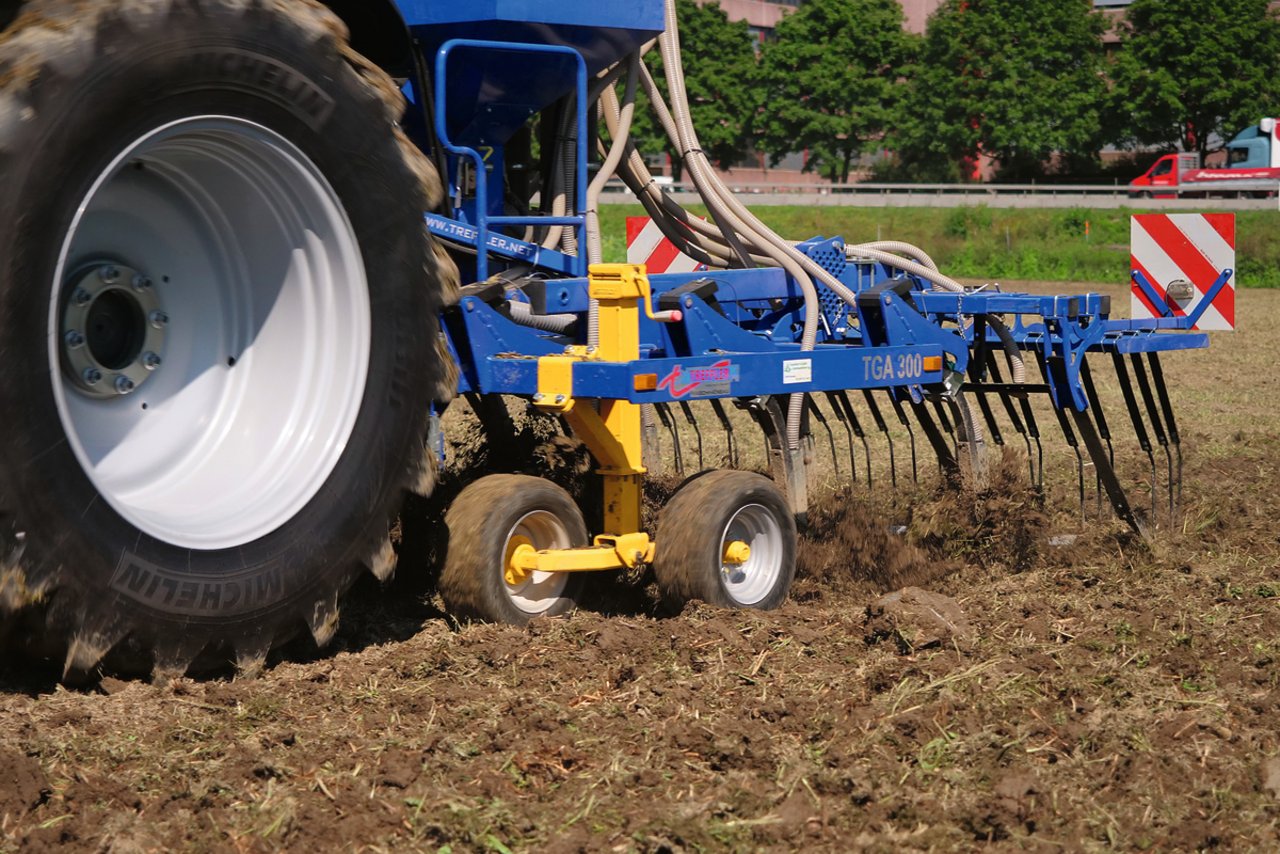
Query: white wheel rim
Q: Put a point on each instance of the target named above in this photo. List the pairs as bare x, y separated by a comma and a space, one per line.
266, 347
751, 582
539, 592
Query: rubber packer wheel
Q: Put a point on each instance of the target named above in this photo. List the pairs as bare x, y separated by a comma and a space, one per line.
698, 533
219, 317
486, 523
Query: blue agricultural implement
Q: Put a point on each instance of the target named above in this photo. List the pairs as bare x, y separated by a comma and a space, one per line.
230, 339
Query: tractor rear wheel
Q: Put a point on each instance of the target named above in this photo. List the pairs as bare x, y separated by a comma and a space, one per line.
488, 522
219, 316
728, 538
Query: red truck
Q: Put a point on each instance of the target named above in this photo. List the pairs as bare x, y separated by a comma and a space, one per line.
1253, 169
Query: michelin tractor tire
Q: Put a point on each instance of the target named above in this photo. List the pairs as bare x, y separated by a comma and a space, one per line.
218, 326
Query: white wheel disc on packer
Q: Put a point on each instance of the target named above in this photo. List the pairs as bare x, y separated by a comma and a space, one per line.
751, 581
539, 591
234, 427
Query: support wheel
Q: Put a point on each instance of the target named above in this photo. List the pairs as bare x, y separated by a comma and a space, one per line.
729, 539
488, 522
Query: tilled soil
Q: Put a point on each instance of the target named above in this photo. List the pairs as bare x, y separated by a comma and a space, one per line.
1032, 691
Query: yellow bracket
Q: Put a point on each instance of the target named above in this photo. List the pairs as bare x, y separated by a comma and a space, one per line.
623, 552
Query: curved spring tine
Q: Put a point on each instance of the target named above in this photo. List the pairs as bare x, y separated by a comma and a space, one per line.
946, 426
1135, 416
693, 422
831, 437
834, 403
1166, 405
664, 415
1033, 430
981, 353
1006, 401
730, 439
1095, 403
1068, 433
947, 464
1157, 426
884, 429
911, 434
857, 431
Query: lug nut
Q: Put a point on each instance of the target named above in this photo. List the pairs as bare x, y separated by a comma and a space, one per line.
83, 297
159, 319
73, 340
124, 385
141, 283
151, 361
109, 275
92, 376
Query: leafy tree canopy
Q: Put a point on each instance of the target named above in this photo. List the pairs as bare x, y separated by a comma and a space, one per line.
1018, 80
1188, 70
830, 81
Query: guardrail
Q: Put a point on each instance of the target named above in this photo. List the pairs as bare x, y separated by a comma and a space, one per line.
952, 195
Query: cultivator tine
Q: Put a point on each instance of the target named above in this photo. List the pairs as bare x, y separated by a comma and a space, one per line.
1135, 416
945, 421
693, 422
911, 434
1086, 374
669, 421
849, 413
1032, 428
1006, 400
816, 412
730, 439
1166, 405
947, 464
1067, 433
1157, 425
834, 402
884, 429
978, 376
1106, 473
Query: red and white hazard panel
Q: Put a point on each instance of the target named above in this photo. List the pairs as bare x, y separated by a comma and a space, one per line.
646, 245
1179, 262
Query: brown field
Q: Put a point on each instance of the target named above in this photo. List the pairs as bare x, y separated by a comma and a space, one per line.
1089, 696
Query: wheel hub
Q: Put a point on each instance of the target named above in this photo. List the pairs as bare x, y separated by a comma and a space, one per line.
113, 330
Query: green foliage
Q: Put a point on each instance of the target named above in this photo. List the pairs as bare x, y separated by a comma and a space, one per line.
830, 81
719, 62
1017, 80
1189, 69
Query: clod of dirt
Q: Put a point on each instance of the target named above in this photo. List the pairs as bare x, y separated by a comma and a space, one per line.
916, 619
1271, 775
23, 786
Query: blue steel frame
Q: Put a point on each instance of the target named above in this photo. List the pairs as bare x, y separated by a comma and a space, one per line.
484, 221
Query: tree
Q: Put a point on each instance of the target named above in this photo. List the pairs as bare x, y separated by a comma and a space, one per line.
1017, 80
1192, 70
830, 81
719, 62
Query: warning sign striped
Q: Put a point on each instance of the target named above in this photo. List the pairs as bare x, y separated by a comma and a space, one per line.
1182, 257
646, 245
